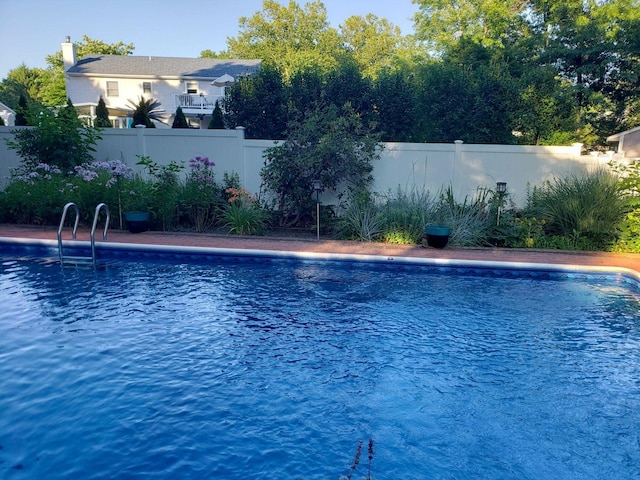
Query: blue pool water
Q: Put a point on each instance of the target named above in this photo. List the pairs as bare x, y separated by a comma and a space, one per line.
277, 369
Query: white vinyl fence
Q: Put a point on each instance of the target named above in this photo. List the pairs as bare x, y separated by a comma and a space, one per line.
463, 167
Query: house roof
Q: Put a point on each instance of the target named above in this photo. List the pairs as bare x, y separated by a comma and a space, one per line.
616, 137
5, 109
166, 67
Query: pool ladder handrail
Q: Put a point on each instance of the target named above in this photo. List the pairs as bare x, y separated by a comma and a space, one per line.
66, 208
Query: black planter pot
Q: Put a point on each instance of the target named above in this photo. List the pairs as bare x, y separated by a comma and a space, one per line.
137, 221
437, 235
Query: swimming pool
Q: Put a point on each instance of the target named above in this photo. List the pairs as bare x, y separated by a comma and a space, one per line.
249, 367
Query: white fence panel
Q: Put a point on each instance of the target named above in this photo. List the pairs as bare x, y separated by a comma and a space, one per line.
464, 167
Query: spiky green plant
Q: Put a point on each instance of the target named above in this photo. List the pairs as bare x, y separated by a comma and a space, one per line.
145, 111
470, 220
361, 220
405, 214
590, 206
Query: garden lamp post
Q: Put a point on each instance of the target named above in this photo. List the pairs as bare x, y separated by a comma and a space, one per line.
501, 190
317, 186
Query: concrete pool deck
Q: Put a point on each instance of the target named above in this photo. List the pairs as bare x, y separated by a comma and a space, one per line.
189, 239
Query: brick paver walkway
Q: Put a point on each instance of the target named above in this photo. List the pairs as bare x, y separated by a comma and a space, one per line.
604, 259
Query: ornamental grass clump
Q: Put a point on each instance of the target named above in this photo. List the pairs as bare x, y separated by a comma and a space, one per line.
587, 209
470, 221
405, 214
361, 221
243, 215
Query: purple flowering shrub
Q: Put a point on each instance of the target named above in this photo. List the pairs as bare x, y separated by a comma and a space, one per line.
200, 197
35, 196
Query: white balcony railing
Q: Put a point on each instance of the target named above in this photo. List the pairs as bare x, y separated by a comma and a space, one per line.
195, 104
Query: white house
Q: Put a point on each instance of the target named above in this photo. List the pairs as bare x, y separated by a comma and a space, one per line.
191, 83
627, 143
8, 116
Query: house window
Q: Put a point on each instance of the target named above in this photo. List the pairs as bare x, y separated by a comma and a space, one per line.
192, 88
146, 87
112, 89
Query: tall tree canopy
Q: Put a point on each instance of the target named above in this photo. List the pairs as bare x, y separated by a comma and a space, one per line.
291, 38
591, 45
376, 44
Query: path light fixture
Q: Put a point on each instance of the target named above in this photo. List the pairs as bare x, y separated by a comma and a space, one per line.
501, 190
317, 186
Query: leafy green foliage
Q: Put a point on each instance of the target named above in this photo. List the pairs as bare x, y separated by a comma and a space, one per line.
259, 104
289, 37
57, 139
242, 215
21, 81
330, 145
165, 191
588, 206
200, 196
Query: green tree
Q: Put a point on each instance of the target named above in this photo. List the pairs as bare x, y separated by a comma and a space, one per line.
217, 118
21, 81
395, 103
145, 111
259, 104
102, 115
56, 139
594, 46
546, 114
376, 45
330, 144
486, 22
291, 38
458, 102
591, 45
346, 84
21, 112
180, 121
305, 92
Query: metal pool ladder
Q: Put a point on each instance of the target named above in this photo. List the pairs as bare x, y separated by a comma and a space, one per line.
80, 260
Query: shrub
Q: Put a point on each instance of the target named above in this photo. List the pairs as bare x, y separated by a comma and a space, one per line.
180, 121
102, 182
330, 145
471, 221
217, 118
164, 191
145, 111
102, 115
60, 140
361, 220
200, 196
36, 196
405, 215
242, 215
587, 208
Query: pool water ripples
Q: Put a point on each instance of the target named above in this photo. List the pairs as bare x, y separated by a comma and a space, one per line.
278, 369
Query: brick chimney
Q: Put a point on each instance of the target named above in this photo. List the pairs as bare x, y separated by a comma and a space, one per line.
68, 54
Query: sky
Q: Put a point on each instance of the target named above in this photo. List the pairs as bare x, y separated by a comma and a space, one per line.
33, 29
